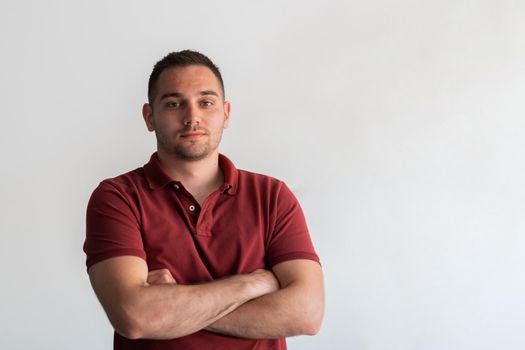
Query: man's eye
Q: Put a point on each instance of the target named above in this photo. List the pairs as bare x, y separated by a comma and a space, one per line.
207, 103
173, 104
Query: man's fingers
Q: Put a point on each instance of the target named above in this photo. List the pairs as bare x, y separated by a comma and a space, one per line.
160, 276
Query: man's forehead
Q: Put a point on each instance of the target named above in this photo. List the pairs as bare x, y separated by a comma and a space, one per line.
189, 75
185, 80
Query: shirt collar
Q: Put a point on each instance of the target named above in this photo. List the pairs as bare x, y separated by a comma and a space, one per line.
230, 172
158, 178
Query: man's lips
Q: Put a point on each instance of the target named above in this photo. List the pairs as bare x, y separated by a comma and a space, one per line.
192, 134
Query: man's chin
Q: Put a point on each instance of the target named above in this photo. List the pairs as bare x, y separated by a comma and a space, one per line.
191, 155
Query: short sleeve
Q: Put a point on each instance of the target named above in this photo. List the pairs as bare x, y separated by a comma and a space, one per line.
112, 226
290, 238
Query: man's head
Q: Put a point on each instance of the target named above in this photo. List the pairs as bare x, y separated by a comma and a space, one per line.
182, 58
186, 109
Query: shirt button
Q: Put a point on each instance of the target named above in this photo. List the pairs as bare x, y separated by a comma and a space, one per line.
191, 207
176, 186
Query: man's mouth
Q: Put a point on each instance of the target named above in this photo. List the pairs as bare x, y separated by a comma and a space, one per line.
193, 134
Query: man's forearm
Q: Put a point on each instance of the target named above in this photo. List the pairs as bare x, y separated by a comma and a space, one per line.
155, 309
170, 311
293, 310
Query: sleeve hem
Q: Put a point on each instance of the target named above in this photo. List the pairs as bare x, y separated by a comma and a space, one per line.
293, 256
112, 254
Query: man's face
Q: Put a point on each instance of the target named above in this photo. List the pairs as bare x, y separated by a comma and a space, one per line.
189, 112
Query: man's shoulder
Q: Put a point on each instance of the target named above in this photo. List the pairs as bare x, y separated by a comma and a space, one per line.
117, 192
257, 183
252, 176
126, 181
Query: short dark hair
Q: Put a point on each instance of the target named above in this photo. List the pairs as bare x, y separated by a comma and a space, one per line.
182, 58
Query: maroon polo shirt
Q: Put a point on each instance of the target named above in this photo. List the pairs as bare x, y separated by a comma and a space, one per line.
252, 221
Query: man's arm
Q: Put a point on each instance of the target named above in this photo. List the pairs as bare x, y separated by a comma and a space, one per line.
138, 309
297, 308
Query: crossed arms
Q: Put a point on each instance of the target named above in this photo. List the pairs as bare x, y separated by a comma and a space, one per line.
261, 304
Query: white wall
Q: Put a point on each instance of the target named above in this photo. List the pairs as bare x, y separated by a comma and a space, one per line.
399, 124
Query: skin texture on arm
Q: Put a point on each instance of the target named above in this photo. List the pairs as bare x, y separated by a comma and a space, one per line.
296, 309
142, 306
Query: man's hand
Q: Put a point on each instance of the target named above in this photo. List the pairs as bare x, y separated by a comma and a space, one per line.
161, 276
266, 281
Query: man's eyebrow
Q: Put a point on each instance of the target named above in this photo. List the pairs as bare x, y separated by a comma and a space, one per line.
209, 92
178, 94
171, 94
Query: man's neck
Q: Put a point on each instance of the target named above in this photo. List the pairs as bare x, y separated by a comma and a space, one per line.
199, 177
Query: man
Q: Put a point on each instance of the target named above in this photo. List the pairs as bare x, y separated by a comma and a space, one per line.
188, 252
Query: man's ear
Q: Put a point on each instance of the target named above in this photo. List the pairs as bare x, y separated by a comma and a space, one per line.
147, 113
227, 109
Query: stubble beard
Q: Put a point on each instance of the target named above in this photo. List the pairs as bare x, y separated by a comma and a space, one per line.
192, 150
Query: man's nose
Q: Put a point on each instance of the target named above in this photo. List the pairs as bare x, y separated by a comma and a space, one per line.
192, 115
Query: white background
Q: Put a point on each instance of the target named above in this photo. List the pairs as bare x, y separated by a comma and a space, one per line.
398, 124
